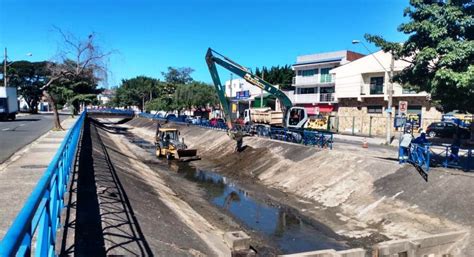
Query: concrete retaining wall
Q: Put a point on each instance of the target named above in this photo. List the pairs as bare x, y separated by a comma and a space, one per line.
330, 253
441, 245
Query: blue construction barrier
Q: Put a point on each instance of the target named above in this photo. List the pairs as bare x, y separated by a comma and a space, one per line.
418, 155
424, 156
307, 137
40, 216
450, 156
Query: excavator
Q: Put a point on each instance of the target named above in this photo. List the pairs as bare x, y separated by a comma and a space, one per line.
293, 117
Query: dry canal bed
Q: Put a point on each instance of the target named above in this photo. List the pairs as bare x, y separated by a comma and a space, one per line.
229, 204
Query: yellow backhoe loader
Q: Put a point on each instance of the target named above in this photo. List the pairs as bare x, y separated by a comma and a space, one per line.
169, 145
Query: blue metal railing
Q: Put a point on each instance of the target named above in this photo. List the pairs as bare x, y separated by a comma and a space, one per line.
306, 137
40, 216
112, 111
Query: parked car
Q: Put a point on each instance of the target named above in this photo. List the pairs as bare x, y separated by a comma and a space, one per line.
196, 120
188, 119
217, 122
171, 117
204, 121
446, 130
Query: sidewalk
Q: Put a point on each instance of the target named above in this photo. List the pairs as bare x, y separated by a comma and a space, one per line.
370, 140
20, 174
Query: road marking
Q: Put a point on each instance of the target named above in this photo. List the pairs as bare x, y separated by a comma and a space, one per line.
23, 124
5, 129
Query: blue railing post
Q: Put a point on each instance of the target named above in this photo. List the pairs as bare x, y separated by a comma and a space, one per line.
469, 159
446, 159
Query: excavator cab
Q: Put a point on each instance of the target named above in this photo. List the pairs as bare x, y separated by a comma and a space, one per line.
296, 117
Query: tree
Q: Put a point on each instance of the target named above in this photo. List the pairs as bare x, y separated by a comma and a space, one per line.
185, 97
440, 50
277, 75
136, 91
178, 75
194, 95
29, 77
80, 67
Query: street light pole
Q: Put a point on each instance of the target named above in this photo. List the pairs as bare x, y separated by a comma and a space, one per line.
5, 69
390, 96
389, 86
5, 60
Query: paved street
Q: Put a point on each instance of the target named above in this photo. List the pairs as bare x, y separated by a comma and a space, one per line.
19, 177
16, 134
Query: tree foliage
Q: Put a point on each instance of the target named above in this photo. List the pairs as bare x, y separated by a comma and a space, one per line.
178, 75
194, 95
28, 77
163, 96
136, 91
440, 50
277, 75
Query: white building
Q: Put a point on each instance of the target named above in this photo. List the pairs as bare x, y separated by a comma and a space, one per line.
361, 92
314, 84
240, 88
105, 96
367, 77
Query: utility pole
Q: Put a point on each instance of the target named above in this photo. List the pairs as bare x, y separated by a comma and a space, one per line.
5, 69
230, 93
261, 90
230, 85
390, 96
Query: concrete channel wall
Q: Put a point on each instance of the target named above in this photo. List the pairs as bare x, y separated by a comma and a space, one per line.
430, 246
359, 193
331, 253
440, 245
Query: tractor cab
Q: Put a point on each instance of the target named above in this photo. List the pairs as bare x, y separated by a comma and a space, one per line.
167, 135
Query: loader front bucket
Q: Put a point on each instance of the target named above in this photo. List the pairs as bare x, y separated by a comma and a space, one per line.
187, 152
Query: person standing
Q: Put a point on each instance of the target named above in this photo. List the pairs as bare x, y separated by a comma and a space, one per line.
405, 143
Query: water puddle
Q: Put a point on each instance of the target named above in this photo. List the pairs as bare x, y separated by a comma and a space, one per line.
290, 231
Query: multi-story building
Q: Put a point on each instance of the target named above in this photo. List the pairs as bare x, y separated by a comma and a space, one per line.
240, 88
362, 92
314, 84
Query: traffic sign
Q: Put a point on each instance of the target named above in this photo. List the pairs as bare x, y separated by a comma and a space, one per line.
402, 107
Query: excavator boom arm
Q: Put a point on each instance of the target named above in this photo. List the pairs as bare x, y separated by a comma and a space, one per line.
213, 57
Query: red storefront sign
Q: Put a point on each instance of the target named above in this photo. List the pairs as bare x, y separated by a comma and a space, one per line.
323, 108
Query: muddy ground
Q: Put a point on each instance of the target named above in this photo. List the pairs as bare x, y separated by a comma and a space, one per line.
362, 195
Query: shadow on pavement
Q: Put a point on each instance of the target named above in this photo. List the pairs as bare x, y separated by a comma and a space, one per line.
104, 222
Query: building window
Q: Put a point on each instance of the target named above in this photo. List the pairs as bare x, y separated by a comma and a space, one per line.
376, 86
327, 90
307, 73
325, 76
307, 90
374, 109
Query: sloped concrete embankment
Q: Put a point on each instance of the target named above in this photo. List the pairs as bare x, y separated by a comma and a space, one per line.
356, 193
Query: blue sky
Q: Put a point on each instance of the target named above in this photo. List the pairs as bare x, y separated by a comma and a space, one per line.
152, 35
